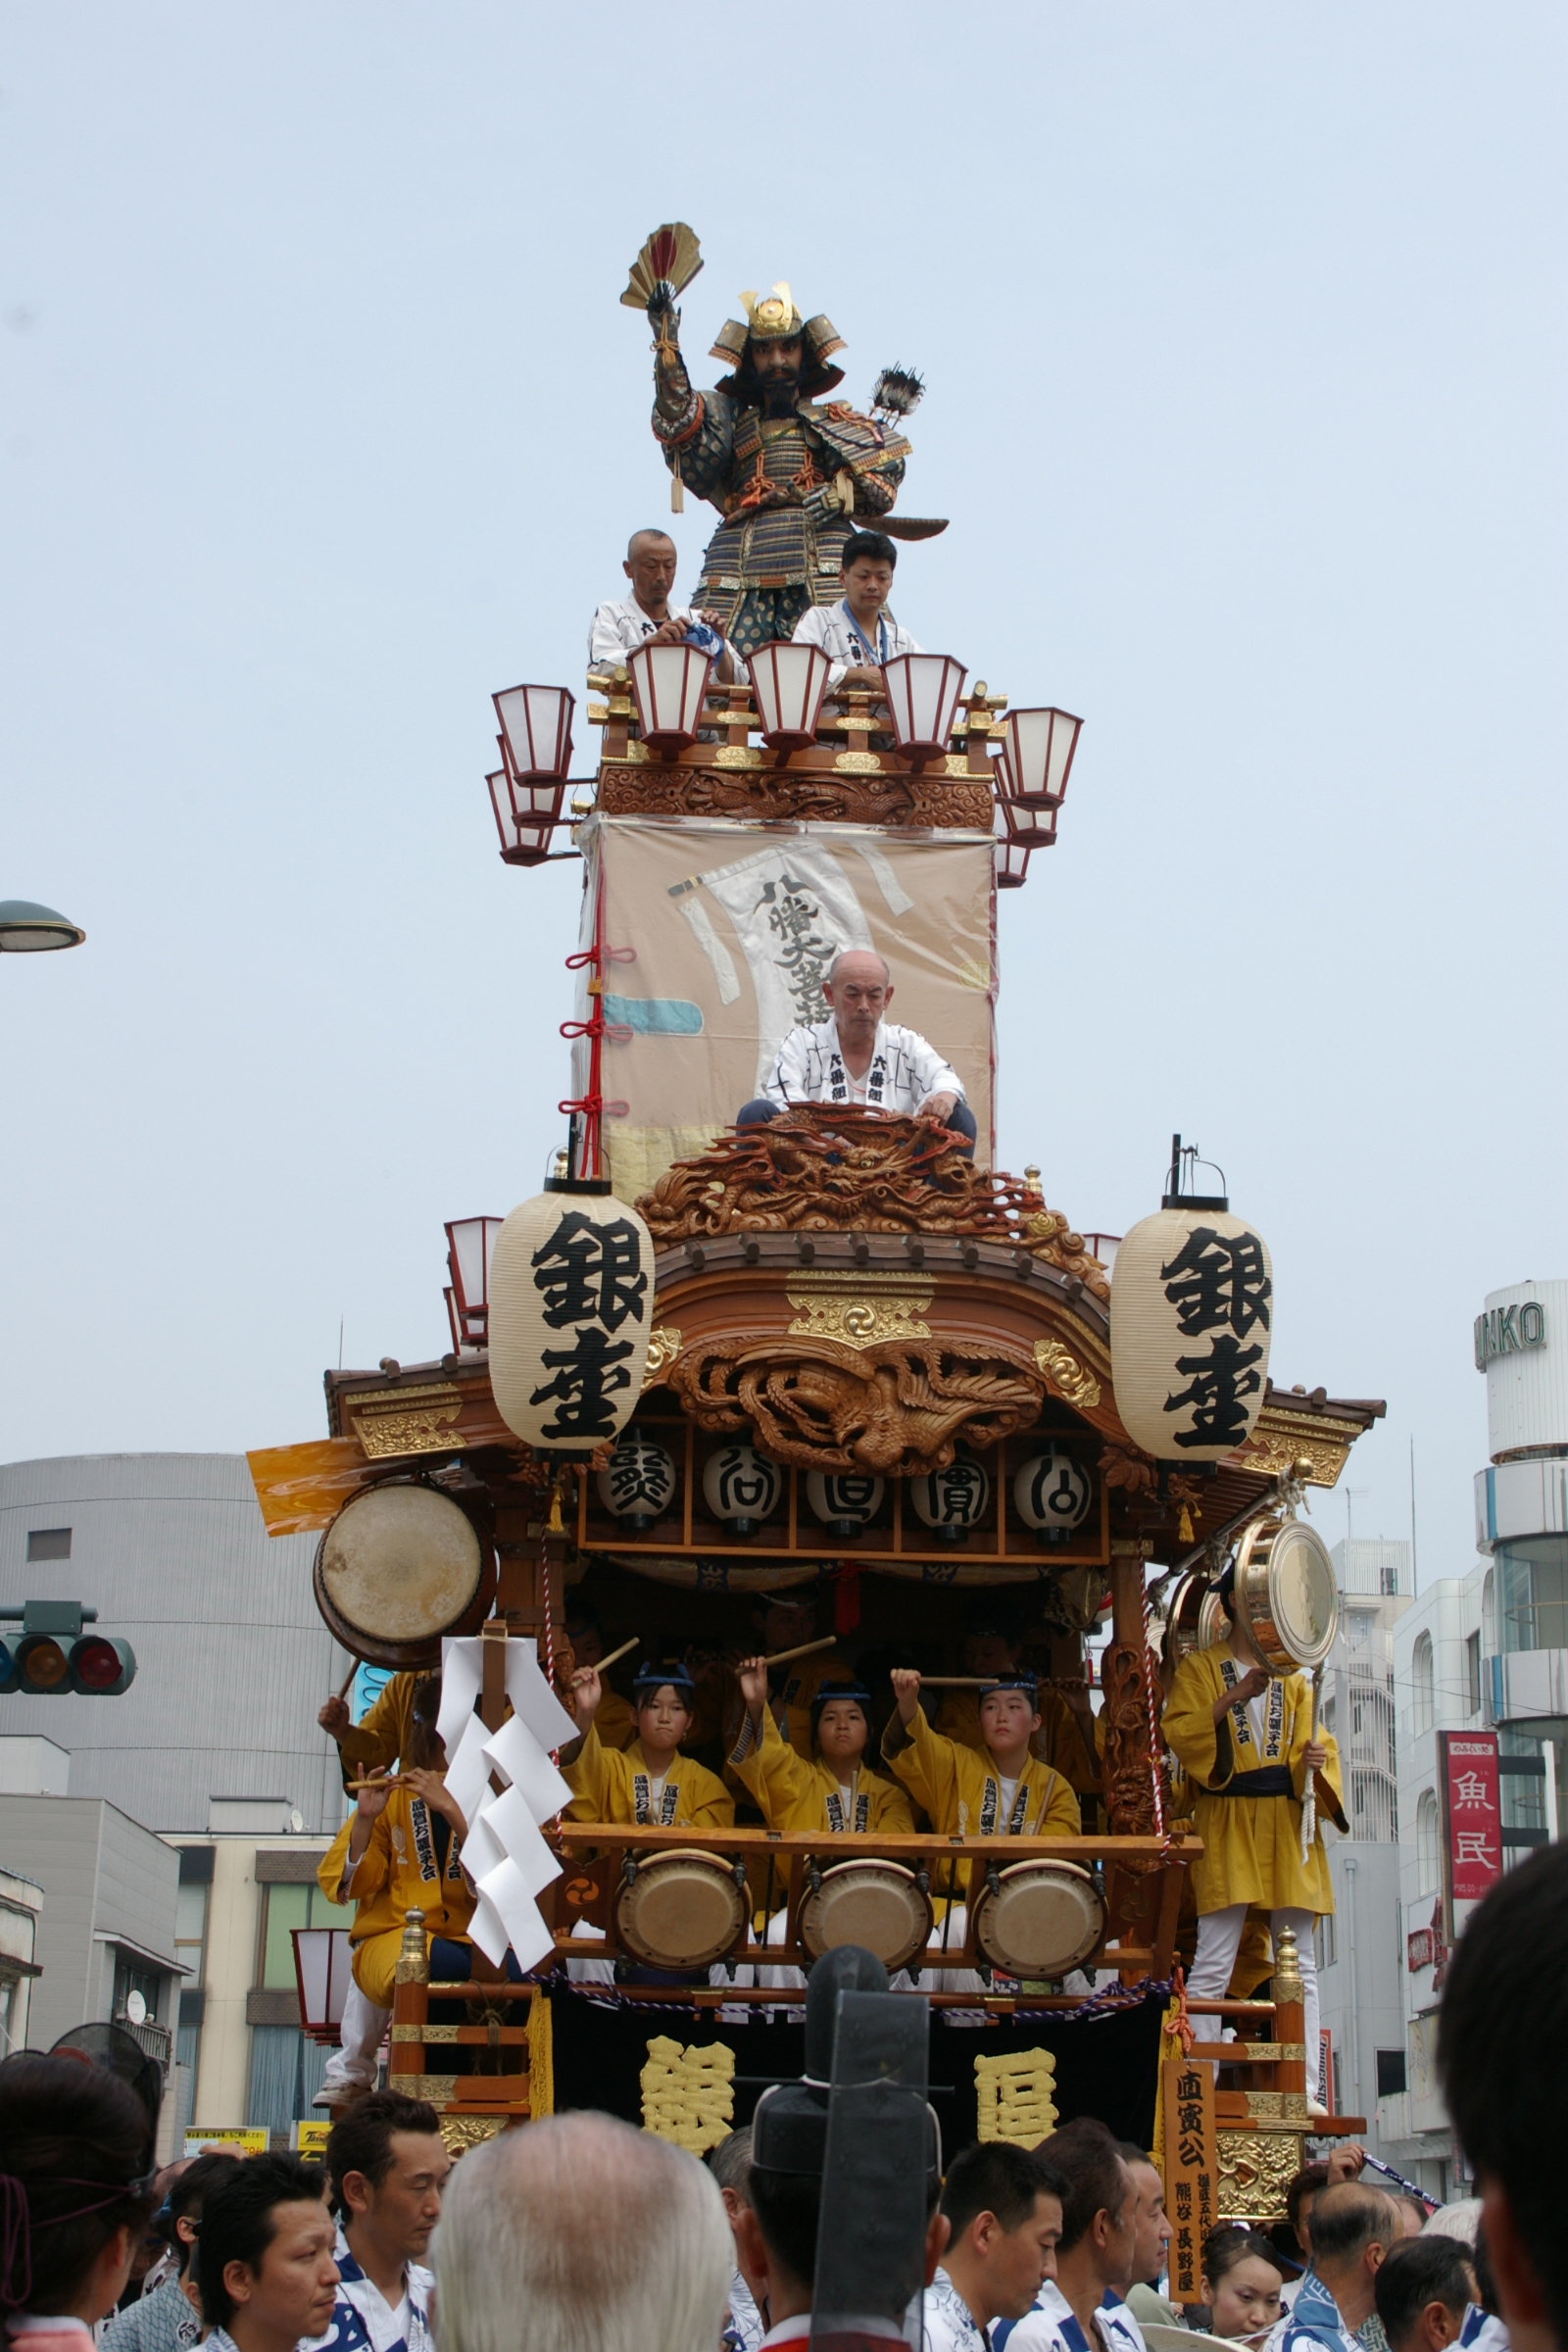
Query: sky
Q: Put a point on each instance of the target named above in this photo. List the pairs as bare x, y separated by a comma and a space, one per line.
319, 419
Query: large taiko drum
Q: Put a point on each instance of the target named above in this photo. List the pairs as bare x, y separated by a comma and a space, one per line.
1286, 1594
399, 1567
1196, 1619
1039, 1919
683, 1909
880, 1905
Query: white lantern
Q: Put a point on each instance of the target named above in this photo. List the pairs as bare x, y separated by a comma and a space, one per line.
525, 819
1011, 855
789, 682
741, 1487
1032, 826
638, 1483
952, 1501
1191, 1310
570, 1310
845, 1501
1051, 1492
923, 691
535, 730
471, 1246
1039, 750
668, 683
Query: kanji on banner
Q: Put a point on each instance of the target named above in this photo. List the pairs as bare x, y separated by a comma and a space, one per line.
1472, 1815
1192, 2169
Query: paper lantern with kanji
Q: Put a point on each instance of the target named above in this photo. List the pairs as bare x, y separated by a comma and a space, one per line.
952, 1501
741, 1488
638, 1485
845, 1501
1192, 1305
571, 1297
1051, 1492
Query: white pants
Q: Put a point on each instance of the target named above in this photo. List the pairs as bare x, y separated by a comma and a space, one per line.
363, 2030
1219, 1939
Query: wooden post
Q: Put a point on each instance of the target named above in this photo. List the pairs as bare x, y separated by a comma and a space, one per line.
1291, 2075
411, 2002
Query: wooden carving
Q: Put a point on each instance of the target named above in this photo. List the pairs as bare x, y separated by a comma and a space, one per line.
899, 1409
1127, 1765
831, 1168
827, 795
1125, 1467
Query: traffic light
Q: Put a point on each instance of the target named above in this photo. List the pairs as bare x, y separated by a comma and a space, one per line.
52, 1654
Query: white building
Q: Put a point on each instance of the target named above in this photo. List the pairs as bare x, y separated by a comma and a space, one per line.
1486, 1650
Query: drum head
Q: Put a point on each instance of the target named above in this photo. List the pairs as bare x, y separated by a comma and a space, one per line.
399, 1567
1046, 1917
1303, 1593
682, 1910
878, 1905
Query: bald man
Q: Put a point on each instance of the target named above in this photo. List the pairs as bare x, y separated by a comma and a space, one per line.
645, 616
859, 1055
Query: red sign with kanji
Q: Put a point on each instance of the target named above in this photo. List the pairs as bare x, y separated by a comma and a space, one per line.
1472, 1813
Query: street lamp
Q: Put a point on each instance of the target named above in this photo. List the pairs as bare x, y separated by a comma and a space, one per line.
26, 928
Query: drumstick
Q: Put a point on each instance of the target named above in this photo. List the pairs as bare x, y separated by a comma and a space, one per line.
960, 1681
387, 1779
1309, 1795
343, 1687
617, 1653
804, 1650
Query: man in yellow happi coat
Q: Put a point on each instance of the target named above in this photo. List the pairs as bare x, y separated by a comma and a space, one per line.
375, 1745
1241, 1737
1000, 1790
398, 1853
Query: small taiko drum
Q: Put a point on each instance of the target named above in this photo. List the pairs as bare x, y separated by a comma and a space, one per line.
879, 1905
399, 1568
1286, 1594
682, 1909
1039, 1919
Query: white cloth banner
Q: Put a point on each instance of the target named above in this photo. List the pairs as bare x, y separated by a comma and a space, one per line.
794, 910
504, 1853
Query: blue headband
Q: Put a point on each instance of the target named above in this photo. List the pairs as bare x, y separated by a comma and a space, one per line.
1009, 1682
826, 1691
651, 1678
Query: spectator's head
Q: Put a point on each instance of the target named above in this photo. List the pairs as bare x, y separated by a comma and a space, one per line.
1004, 2210
1240, 2281
1352, 2230
993, 1637
426, 1751
581, 2231
583, 1629
263, 2254
388, 2164
1099, 2214
78, 2145
158, 2235
650, 566
866, 571
1300, 2198
730, 2164
1502, 2054
1152, 2230
786, 1619
1412, 2212
1422, 2290
189, 2194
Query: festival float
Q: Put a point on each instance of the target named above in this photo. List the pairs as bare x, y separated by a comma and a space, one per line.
832, 1354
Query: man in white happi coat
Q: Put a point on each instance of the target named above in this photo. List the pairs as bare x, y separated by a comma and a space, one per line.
859, 634
620, 625
859, 1055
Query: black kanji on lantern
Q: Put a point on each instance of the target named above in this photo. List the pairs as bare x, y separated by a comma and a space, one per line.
1219, 1280
586, 1376
1219, 1381
591, 1273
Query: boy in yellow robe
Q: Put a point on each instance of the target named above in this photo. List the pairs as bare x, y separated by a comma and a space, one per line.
615, 1722
1242, 1736
1001, 1789
399, 1853
650, 1784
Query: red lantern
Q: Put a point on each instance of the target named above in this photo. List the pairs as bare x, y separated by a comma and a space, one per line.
535, 730
669, 683
1039, 750
923, 691
789, 682
471, 1246
525, 830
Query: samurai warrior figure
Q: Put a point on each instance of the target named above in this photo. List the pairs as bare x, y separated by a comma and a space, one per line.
792, 475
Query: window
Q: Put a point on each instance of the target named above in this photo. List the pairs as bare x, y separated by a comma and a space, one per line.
1323, 1940
1389, 1579
190, 1934
49, 1544
1471, 1671
1428, 1868
285, 1909
1338, 2096
1489, 1617
130, 1979
1391, 2073
1421, 1670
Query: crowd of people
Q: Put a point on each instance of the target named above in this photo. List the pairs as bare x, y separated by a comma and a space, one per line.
579, 2234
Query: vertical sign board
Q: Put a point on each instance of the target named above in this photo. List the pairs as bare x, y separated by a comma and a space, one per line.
1325, 2068
1192, 2169
1472, 1821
